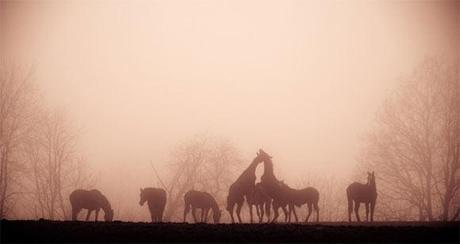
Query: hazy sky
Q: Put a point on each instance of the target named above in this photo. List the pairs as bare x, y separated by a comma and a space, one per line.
301, 79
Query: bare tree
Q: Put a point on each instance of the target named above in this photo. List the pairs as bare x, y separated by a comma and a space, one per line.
17, 102
415, 147
202, 163
55, 166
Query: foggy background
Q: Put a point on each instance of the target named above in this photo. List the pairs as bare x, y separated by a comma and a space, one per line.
301, 79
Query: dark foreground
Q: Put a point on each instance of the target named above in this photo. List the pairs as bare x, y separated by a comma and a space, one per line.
56, 231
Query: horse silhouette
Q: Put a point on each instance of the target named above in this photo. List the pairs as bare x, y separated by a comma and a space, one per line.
156, 200
273, 187
242, 187
297, 198
362, 193
261, 200
204, 201
93, 200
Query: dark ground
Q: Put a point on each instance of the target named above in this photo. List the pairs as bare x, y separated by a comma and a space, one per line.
56, 231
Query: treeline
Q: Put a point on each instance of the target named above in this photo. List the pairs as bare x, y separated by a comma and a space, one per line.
39, 160
415, 146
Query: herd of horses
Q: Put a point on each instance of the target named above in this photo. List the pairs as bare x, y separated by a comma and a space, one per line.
267, 195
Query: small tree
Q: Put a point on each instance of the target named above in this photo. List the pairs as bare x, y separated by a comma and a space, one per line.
55, 166
202, 163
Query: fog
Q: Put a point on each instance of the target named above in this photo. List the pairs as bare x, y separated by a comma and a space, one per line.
301, 79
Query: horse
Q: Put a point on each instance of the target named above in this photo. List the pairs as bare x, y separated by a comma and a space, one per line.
156, 200
261, 200
243, 186
93, 200
203, 200
298, 197
362, 193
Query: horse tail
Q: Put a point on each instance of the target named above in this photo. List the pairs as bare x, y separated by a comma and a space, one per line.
316, 200
186, 207
350, 201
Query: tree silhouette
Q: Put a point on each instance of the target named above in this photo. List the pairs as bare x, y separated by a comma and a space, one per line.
415, 147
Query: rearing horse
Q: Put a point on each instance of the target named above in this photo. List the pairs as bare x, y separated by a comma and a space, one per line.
362, 193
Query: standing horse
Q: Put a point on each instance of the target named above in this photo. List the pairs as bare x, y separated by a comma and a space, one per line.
92, 200
362, 193
261, 200
156, 200
298, 197
204, 201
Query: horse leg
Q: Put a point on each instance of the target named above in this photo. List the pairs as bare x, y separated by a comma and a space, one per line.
372, 211
250, 211
309, 212
230, 210
238, 210
97, 214
186, 210
206, 213
285, 213
202, 215
295, 214
194, 214
350, 209
367, 211
317, 212
267, 210
357, 211
88, 214
276, 213
260, 212
160, 214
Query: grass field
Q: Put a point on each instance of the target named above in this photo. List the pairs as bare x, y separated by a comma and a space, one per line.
67, 231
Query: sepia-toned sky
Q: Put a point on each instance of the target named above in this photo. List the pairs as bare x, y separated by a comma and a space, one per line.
301, 79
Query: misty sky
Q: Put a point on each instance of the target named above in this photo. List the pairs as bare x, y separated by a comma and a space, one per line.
301, 79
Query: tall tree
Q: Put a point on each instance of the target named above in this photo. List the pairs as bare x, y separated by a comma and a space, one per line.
55, 165
415, 146
17, 108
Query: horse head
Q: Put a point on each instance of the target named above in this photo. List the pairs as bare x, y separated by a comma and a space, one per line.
371, 178
108, 216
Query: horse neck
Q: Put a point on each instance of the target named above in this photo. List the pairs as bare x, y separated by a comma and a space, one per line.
372, 186
252, 167
105, 204
268, 171
215, 207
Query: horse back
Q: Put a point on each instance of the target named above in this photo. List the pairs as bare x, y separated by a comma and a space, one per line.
199, 199
156, 196
361, 192
91, 199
